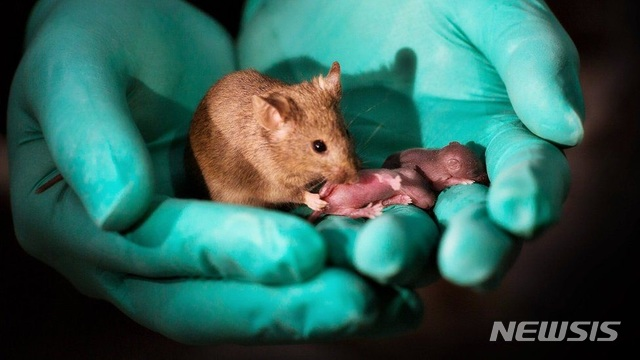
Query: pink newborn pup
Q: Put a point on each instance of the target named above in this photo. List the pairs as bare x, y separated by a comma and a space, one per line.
451, 165
375, 189
413, 176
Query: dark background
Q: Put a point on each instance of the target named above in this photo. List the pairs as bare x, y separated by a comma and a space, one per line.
581, 269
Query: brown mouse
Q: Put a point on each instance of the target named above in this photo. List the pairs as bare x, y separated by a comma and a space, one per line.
256, 140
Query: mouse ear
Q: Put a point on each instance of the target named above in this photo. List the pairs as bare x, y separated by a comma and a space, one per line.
331, 82
271, 111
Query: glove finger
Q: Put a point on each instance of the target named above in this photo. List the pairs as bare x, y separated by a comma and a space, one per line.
529, 182
393, 248
333, 305
177, 238
103, 97
82, 111
536, 60
473, 251
205, 238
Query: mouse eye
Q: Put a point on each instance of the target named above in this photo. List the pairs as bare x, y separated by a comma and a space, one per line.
319, 146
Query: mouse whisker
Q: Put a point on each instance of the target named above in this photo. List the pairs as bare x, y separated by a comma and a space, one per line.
365, 162
371, 136
316, 185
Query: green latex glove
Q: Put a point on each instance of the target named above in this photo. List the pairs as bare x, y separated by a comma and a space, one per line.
499, 76
103, 96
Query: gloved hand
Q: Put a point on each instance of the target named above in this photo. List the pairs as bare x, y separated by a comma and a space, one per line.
501, 77
103, 96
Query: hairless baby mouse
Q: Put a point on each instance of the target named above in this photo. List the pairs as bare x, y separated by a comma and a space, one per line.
412, 176
375, 189
450, 165
256, 140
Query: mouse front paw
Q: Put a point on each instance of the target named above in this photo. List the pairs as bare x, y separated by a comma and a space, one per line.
314, 202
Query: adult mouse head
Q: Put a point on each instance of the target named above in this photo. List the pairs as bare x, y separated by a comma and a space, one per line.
305, 130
